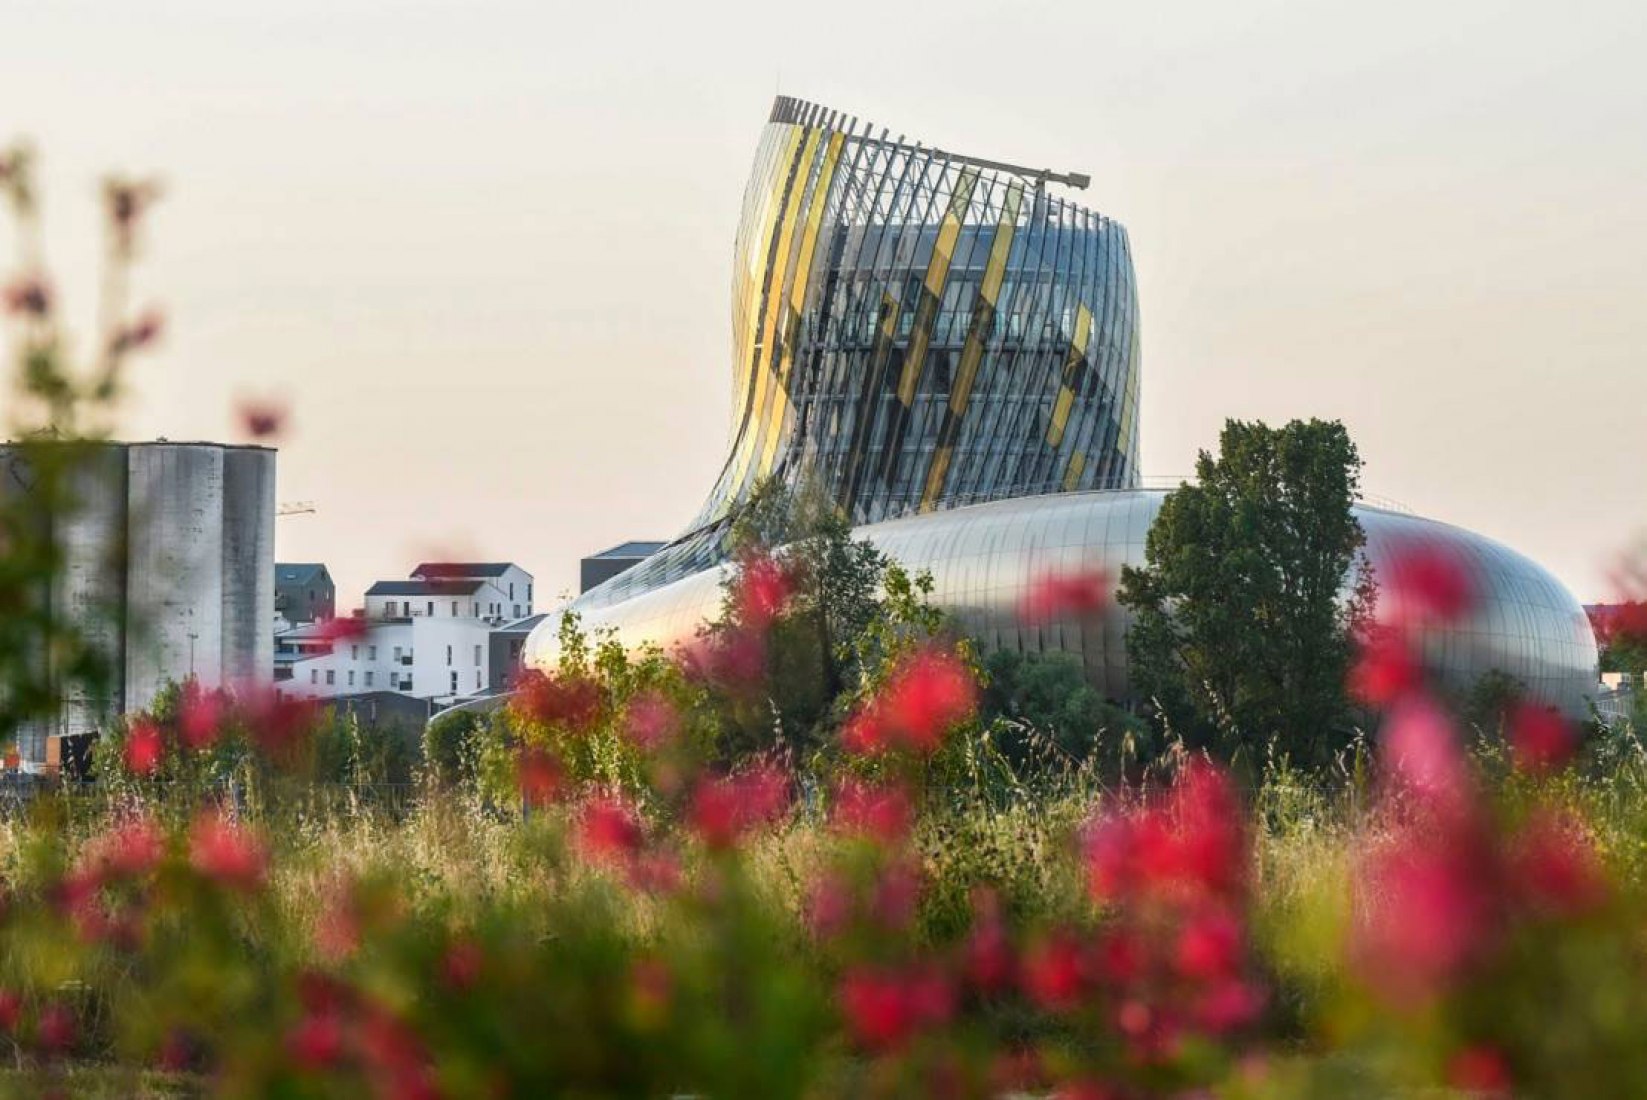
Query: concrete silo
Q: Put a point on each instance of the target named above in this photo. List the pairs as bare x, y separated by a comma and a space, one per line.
248, 564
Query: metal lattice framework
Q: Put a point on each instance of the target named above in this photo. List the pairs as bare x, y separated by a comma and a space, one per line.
914, 330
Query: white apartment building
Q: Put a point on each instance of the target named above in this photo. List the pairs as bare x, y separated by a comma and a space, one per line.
429, 636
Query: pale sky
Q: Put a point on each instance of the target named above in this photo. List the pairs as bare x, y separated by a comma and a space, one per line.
484, 249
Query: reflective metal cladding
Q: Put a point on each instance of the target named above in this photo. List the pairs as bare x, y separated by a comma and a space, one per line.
920, 334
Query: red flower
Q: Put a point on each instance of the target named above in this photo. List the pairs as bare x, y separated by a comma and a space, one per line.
342, 629
316, 1042
987, 959
1053, 595
461, 966
538, 775
1427, 583
876, 812
56, 1029
1555, 867
733, 659
1384, 670
1427, 913
11, 1010
1053, 973
262, 419
28, 297
139, 334
1480, 1071
1209, 946
724, 810
897, 893
883, 1009
226, 853
763, 588
924, 698
144, 747
609, 830
1421, 753
572, 702
276, 723
200, 717
1108, 847
1227, 1006
828, 905
652, 720
134, 848
1540, 739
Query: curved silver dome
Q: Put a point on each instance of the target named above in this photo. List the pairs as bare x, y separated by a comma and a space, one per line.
984, 558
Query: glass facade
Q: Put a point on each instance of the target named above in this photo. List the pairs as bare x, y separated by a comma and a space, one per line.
952, 353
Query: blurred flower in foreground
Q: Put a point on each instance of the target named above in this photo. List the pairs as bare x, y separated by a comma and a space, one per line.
926, 696
1052, 595
227, 853
200, 716
1385, 669
725, 809
883, 813
1425, 583
262, 419
761, 590
572, 702
28, 297
144, 746
1540, 738
538, 775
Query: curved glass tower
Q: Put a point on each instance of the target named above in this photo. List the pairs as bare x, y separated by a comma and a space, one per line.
951, 352
913, 330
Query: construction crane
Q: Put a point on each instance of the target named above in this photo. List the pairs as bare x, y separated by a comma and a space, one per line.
294, 508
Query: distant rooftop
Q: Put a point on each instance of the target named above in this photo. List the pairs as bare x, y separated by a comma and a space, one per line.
297, 572
637, 548
521, 626
430, 570
424, 588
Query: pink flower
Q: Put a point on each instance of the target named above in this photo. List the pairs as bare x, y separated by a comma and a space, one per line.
1384, 670
724, 810
134, 848
925, 697
1108, 847
1427, 913
1420, 752
1228, 1005
896, 894
56, 1030
139, 334
610, 830
571, 702
1082, 593
226, 853
538, 775
1427, 583
878, 1013
29, 296
652, 721
262, 419
881, 813
316, 1042
1480, 1071
1540, 739
1555, 867
461, 966
762, 590
987, 957
1053, 973
829, 905
1209, 946
144, 747
200, 717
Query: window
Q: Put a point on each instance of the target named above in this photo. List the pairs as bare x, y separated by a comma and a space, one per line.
528, 595
477, 656
314, 676
454, 682
511, 590
477, 679
368, 677
448, 656
454, 609
397, 653
351, 677
331, 677
477, 609
517, 611
354, 653
431, 609
371, 655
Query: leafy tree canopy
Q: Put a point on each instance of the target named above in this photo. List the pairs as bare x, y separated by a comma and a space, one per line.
1242, 635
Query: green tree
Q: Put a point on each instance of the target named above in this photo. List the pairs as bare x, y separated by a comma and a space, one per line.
1048, 718
1242, 631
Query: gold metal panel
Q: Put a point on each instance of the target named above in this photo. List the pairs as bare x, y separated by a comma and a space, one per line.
772, 307
937, 273
1077, 466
